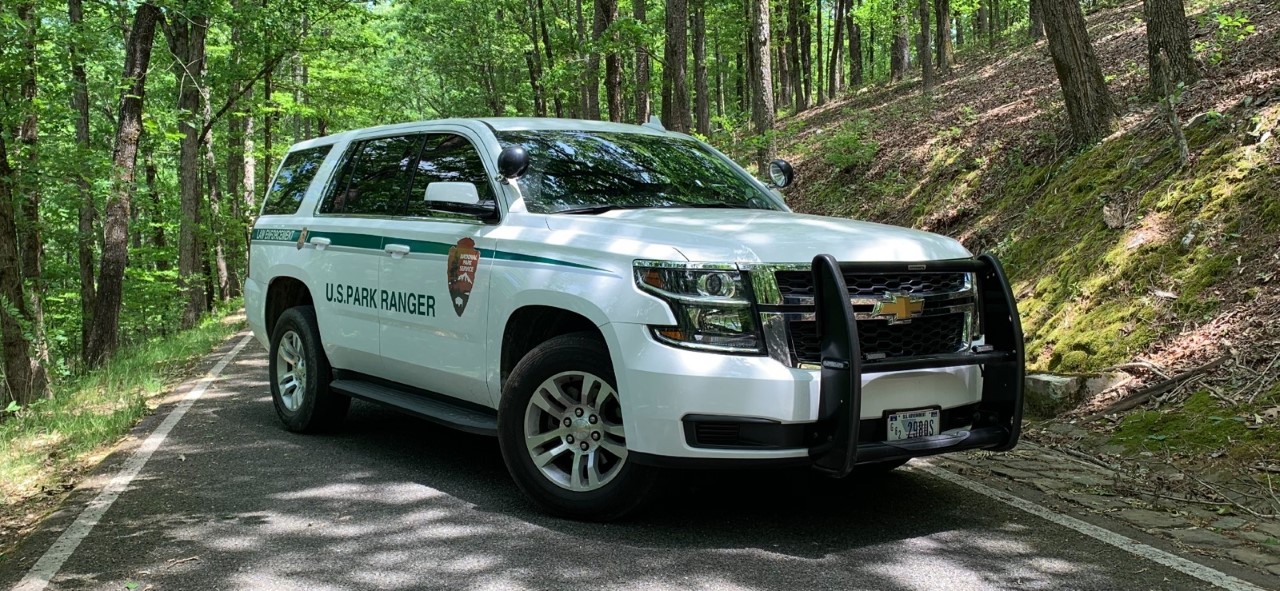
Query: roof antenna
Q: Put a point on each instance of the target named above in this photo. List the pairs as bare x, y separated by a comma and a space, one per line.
654, 123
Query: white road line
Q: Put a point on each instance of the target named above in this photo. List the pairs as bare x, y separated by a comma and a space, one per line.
44, 569
1182, 565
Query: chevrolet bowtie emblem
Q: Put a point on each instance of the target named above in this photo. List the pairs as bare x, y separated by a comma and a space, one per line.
900, 307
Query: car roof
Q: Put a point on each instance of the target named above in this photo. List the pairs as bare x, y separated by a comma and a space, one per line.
497, 124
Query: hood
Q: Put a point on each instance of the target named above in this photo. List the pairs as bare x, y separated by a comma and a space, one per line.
762, 236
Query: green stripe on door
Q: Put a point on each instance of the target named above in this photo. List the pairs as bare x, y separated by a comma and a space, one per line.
374, 242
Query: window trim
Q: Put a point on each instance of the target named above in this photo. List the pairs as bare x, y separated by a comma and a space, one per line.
347, 158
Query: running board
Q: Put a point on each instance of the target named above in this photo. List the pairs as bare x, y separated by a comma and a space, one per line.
436, 411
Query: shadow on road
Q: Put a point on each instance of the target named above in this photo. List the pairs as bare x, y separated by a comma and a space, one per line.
232, 501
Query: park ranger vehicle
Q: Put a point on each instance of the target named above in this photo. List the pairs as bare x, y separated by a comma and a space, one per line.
614, 301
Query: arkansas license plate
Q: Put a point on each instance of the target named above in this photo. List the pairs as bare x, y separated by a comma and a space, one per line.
913, 423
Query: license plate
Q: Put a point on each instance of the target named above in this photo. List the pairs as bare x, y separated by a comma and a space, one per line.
913, 423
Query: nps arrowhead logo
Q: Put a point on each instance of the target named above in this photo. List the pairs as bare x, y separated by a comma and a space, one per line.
463, 260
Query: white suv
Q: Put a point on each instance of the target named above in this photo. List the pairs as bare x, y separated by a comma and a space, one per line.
612, 300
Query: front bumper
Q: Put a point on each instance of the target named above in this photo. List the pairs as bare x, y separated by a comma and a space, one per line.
998, 415
765, 413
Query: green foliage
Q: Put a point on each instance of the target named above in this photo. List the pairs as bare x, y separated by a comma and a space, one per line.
850, 146
1229, 28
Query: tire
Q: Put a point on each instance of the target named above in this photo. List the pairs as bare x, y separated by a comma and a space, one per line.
542, 393
300, 375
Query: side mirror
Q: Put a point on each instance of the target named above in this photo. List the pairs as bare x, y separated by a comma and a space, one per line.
513, 162
460, 193
781, 173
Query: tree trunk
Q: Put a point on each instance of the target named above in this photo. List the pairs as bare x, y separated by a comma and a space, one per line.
959, 30
740, 81
1089, 105
719, 76
675, 83
268, 120
993, 22
796, 66
156, 215
922, 47
834, 68
224, 277
248, 175
871, 47
1035, 21
612, 62
1167, 33
782, 58
115, 227
533, 61
546, 48
186, 35
702, 98
946, 53
24, 375
585, 93
822, 89
855, 49
900, 51
88, 210
30, 245
980, 21
643, 104
762, 81
806, 53
591, 85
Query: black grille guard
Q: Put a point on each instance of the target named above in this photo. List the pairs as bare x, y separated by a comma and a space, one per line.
998, 421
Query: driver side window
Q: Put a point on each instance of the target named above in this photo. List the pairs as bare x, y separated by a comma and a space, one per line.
447, 158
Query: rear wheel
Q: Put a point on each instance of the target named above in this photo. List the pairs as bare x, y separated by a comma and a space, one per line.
300, 375
562, 434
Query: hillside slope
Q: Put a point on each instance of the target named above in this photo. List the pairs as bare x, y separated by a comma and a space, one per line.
1121, 259
1116, 252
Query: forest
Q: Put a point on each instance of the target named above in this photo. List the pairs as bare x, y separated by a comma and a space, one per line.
136, 138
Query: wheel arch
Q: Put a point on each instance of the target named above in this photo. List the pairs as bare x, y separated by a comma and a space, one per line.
531, 325
284, 292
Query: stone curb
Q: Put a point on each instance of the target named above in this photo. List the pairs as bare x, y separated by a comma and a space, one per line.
1197, 528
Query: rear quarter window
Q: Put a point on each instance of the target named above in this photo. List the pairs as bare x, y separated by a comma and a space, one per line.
291, 183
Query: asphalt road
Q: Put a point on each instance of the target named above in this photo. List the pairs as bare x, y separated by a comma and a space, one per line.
232, 501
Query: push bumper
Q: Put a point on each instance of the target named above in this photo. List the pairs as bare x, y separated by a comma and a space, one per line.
997, 417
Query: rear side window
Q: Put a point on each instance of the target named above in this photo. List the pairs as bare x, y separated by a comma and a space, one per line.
291, 182
376, 178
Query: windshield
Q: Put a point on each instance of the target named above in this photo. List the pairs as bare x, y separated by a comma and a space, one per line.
590, 172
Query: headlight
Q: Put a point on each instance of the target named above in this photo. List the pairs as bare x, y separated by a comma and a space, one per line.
711, 304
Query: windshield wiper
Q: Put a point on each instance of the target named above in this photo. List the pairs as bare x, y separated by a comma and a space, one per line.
595, 209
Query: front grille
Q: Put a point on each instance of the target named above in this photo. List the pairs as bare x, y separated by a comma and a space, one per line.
926, 335
800, 283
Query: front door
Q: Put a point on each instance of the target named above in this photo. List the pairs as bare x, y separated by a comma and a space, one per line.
347, 236
438, 268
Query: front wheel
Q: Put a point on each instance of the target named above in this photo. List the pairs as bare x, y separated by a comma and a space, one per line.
561, 430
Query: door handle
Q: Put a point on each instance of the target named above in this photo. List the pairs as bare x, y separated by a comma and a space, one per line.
320, 242
397, 251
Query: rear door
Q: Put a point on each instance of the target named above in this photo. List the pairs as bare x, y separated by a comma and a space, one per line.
435, 327
347, 237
